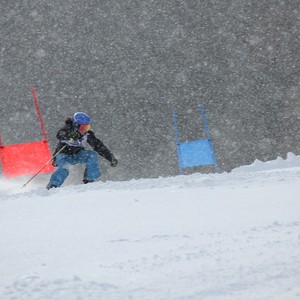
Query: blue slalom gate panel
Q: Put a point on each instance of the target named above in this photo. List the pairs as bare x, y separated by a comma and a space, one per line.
195, 153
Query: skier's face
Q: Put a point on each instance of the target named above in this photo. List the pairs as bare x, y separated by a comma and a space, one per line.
83, 128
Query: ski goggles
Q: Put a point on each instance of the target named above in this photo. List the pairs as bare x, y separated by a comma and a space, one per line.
84, 127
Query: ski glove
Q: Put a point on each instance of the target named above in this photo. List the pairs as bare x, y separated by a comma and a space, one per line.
54, 163
113, 162
75, 135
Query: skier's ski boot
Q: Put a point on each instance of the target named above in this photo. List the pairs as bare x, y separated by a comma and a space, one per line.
50, 186
85, 181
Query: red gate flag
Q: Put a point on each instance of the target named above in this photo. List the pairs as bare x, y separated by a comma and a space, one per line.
25, 159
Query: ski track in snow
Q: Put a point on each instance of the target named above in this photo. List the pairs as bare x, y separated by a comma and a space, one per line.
213, 237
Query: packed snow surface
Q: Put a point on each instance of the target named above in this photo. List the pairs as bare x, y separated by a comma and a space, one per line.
199, 237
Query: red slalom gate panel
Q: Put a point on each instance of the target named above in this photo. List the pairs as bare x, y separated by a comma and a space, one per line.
25, 159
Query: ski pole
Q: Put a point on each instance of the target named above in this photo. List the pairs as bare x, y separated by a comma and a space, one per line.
44, 166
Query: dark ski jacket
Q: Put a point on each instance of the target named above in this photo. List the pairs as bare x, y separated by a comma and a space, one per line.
89, 137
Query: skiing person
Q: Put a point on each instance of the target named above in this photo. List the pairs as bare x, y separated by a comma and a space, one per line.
71, 151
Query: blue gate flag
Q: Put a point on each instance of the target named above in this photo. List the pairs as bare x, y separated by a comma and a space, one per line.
195, 153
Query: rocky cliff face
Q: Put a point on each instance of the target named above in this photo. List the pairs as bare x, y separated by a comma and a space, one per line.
129, 63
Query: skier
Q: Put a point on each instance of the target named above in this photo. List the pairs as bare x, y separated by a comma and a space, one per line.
70, 151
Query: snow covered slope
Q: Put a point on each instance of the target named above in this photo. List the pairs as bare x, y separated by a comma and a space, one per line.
209, 237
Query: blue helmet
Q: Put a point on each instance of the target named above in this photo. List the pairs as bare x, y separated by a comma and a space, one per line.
81, 118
